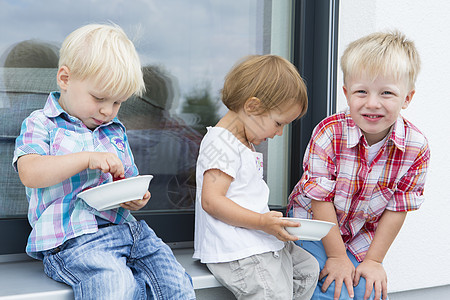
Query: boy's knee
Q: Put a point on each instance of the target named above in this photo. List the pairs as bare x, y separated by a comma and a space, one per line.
329, 293
358, 290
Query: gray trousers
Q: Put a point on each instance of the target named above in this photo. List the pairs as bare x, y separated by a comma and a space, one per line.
290, 273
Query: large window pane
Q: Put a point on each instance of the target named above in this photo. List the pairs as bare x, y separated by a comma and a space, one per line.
186, 48
277, 158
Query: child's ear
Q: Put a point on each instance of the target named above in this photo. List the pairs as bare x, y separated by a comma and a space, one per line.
344, 88
62, 77
408, 98
252, 105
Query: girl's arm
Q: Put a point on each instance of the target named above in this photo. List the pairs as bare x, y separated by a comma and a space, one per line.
40, 171
215, 203
371, 268
338, 267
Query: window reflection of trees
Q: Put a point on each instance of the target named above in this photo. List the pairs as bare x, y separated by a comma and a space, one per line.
199, 104
162, 143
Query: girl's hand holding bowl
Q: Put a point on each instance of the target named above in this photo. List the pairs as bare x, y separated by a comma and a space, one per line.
309, 230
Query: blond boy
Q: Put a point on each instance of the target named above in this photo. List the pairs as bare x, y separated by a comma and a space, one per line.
364, 168
76, 142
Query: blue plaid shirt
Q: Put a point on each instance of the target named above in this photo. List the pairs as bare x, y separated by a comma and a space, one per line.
55, 213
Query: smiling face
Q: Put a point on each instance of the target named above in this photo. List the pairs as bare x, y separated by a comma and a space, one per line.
259, 127
81, 99
376, 104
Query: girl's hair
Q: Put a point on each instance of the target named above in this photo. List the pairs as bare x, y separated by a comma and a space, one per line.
270, 78
103, 54
387, 54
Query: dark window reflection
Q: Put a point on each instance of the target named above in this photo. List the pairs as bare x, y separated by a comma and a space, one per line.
163, 144
186, 48
29, 73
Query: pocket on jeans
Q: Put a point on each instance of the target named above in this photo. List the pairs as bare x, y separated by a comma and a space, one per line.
55, 268
49, 268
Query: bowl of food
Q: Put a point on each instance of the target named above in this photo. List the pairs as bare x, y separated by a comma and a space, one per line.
110, 195
309, 230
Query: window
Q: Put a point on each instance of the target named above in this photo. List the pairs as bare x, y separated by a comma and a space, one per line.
186, 48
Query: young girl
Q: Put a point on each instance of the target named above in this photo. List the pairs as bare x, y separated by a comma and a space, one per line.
244, 244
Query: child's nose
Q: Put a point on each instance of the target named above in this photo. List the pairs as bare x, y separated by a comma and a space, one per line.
106, 110
279, 131
373, 101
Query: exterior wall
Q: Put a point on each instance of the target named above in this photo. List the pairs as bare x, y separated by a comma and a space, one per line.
419, 257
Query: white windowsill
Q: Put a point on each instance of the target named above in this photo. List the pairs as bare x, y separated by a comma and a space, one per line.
22, 278
25, 279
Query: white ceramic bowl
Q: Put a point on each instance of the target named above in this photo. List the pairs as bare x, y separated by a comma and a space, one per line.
110, 195
309, 230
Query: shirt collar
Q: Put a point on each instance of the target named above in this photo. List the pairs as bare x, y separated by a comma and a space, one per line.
53, 109
354, 134
398, 135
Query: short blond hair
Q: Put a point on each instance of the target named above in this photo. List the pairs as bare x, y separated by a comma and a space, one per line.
382, 53
103, 54
270, 78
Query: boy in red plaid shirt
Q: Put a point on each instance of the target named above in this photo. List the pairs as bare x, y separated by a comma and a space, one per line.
364, 168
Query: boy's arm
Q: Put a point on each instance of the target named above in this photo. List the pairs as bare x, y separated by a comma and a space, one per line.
40, 171
371, 268
409, 196
215, 203
338, 267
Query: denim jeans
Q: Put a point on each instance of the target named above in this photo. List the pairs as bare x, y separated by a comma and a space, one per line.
317, 249
123, 262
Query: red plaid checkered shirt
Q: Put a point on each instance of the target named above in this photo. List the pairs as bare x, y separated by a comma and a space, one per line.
337, 169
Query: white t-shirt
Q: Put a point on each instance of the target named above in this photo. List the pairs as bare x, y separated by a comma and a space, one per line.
373, 150
214, 240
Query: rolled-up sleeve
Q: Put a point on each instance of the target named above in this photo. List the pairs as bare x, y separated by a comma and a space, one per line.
33, 139
319, 177
408, 195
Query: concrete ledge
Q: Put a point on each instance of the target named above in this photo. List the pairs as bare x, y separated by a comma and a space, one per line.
436, 292
201, 276
26, 279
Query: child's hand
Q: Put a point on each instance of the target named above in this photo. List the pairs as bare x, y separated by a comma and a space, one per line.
340, 270
272, 223
137, 204
375, 276
107, 162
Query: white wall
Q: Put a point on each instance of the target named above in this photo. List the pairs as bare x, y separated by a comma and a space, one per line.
420, 256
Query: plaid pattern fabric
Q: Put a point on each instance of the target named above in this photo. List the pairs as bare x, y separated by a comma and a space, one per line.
337, 169
55, 213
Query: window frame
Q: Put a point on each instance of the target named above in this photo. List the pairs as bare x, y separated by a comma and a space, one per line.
315, 54
314, 51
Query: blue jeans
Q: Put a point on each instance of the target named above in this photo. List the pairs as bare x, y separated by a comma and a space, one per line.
125, 261
318, 251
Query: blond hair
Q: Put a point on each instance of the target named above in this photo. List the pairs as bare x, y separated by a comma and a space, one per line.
382, 54
270, 78
103, 54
